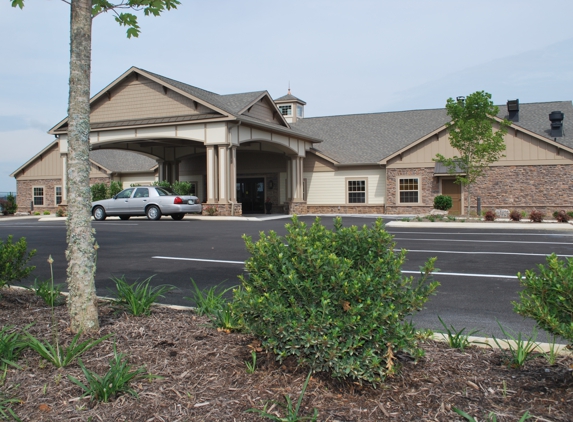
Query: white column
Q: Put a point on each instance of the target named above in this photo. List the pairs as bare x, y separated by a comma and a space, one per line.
211, 175
223, 175
64, 179
233, 174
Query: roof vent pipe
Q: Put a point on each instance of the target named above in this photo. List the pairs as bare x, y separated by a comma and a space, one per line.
513, 110
556, 118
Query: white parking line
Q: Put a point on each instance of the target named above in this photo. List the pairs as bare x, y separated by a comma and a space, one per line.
485, 234
482, 241
484, 253
199, 260
404, 271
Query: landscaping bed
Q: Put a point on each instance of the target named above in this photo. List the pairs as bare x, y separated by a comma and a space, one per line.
202, 376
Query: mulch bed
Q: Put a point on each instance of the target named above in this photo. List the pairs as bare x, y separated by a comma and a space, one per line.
204, 378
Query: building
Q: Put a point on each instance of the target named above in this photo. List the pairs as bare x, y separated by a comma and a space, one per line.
40, 181
238, 150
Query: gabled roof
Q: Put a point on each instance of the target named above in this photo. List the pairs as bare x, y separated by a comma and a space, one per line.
372, 138
229, 106
115, 161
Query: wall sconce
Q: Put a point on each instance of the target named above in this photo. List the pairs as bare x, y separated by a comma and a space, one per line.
271, 184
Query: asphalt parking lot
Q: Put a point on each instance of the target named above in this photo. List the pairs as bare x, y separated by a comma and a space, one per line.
477, 273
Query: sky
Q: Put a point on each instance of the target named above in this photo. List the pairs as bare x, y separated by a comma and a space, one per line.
340, 56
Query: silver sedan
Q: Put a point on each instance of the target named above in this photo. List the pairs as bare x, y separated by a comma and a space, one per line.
151, 201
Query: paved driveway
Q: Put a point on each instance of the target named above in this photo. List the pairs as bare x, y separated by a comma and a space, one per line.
477, 266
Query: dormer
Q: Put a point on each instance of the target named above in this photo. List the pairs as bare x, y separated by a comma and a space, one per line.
291, 108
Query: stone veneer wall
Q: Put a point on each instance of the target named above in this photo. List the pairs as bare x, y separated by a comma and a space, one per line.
430, 188
524, 188
546, 188
298, 208
25, 189
345, 209
224, 209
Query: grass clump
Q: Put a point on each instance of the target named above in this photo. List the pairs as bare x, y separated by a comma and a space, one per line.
138, 297
114, 382
334, 299
456, 339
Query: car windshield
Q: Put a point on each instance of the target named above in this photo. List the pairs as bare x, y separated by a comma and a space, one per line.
163, 192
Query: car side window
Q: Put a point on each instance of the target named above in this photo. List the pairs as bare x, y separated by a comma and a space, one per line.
141, 193
124, 194
162, 192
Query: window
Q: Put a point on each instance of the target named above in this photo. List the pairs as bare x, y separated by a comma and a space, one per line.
286, 110
58, 195
409, 190
356, 191
38, 196
299, 111
193, 190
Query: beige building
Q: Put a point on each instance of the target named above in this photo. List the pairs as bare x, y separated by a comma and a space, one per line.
41, 179
238, 150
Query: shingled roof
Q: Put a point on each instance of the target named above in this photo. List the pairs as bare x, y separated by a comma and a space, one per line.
369, 138
120, 161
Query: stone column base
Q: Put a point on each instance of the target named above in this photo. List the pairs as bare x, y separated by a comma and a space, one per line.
223, 209
298, 208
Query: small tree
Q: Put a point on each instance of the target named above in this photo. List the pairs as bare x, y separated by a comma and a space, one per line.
11, 206
99, 191
81, 253
472, 134
115, 187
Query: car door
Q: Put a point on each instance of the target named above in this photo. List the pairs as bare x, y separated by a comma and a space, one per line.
139, 201
120, 205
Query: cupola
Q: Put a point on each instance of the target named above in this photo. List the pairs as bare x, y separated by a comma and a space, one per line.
291, 107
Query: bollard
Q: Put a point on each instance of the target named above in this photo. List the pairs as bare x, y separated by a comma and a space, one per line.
479, 206
32, 205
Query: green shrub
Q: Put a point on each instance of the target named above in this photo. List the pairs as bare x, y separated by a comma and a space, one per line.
99, 191
334, 299
115, 187
570, 214
14, 258
46, 212
11, 206
181, 188
164, 184
443, 202
547, 297
61, 212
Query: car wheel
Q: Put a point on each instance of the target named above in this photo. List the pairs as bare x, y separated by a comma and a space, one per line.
178, 216
124, 217
99, 213
153, 213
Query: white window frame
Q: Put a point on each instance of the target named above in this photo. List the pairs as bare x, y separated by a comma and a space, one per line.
399, 191
56, 195
348, 191
40, 197
286, 109
299, 111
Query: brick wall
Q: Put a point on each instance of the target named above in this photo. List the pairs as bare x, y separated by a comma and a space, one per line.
345, 209
25, 189
545, 188
429, 189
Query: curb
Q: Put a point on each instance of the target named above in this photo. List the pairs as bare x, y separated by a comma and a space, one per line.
483, 225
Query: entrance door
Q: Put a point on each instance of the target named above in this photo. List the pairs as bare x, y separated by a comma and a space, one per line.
453, 190
251, 194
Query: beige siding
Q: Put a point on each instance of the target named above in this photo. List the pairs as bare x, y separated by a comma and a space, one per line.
47, 166
521, 149
313, 163
329, 188
139, 99
96, 171
263, 110
137, 179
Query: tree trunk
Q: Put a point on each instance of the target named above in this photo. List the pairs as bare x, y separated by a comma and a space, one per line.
469, 201
80, 253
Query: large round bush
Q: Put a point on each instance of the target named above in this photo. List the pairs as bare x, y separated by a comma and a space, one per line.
334, 299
